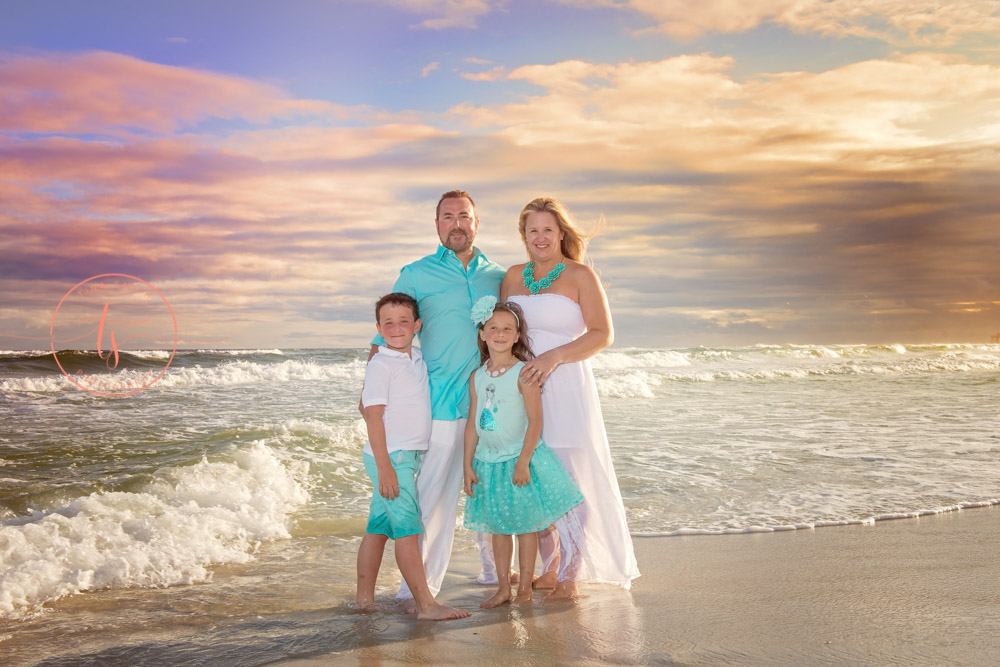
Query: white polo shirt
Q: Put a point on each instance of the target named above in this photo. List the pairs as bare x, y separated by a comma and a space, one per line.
399, 382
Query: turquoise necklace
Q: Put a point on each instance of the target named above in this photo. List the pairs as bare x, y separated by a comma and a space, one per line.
537, 286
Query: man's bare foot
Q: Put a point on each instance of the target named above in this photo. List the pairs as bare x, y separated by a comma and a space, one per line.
522, 597
440, 612
564, 590
498, 599
545, 582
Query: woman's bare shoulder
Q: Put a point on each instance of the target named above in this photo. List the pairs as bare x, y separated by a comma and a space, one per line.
579, 271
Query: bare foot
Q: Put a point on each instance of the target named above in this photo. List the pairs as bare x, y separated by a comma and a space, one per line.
522, 597
440, 612
514, 577
498, 599
564, 590
367, 607
545, 582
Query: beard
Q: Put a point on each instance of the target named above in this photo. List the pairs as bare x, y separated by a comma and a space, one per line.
458, 242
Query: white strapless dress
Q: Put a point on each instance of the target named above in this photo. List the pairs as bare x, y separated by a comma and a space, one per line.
573, 427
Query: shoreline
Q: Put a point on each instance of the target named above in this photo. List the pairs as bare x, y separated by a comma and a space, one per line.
870, 521
921, 591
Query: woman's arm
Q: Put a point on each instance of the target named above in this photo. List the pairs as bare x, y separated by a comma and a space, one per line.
471, 439
532, 395
597, 318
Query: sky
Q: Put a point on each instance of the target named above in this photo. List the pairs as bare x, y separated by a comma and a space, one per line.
779, 171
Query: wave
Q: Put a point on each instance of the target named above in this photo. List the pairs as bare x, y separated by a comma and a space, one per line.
237, 372
627, 385
166, 534
635, 358
248, 372
636, 375
993, 502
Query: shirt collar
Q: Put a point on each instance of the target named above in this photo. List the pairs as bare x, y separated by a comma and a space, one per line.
443, 252
389, 352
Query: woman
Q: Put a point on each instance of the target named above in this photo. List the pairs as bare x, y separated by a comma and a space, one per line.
569, 321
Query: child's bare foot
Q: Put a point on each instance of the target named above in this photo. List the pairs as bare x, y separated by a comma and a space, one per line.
545, 582
564, 590
440, 612
522, 597
498, 599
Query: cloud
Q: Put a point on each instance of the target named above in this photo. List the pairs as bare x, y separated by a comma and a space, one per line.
901, 22
689, 111
448, 14
178, 40
856, 202
808, 188
429, 68
490, 75
110, 92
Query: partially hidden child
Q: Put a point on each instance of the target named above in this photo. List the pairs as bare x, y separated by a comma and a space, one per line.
515, 483
397, 410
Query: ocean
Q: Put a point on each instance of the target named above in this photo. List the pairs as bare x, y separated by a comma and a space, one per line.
228, 498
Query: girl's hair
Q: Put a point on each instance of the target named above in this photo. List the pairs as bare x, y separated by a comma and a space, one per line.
521, 349
574, 243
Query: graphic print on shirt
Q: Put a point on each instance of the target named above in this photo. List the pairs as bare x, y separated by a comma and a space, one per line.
490, 407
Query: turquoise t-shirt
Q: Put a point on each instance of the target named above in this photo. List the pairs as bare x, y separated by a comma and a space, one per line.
502, 420
445, 292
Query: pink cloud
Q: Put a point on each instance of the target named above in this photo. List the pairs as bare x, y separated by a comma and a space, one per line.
105, 92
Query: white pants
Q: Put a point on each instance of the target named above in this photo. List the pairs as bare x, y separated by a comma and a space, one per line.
439, 482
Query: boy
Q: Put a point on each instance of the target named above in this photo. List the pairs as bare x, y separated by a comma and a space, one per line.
397, 410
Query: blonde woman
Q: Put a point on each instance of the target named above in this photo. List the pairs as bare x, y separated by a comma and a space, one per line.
569, 321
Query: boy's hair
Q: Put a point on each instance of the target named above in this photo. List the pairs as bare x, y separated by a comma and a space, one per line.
521, 349
400, 299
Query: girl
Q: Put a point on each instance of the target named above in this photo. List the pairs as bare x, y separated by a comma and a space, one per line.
515, 484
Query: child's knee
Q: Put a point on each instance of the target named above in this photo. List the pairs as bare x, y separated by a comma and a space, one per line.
376, 538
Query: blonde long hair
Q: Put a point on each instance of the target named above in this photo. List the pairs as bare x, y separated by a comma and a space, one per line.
574, 243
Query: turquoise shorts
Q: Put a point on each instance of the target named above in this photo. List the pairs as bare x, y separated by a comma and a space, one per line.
399, 517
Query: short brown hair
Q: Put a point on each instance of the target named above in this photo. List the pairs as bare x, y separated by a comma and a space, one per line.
454, 194
400, 299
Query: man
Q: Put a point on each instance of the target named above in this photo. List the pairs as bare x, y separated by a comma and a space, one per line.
445, 285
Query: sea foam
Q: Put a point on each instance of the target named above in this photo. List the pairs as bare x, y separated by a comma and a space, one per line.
224, 374
166, 534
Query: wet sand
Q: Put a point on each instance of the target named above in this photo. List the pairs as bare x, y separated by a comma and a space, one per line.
912, 591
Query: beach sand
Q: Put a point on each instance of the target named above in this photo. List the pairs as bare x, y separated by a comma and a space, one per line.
912, 591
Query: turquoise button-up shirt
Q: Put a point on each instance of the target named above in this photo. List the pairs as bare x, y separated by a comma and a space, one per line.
445, 292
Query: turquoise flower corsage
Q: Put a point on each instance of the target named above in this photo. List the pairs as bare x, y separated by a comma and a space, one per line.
482, 310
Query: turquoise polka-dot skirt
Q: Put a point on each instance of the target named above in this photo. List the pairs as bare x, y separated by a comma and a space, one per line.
500, 508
